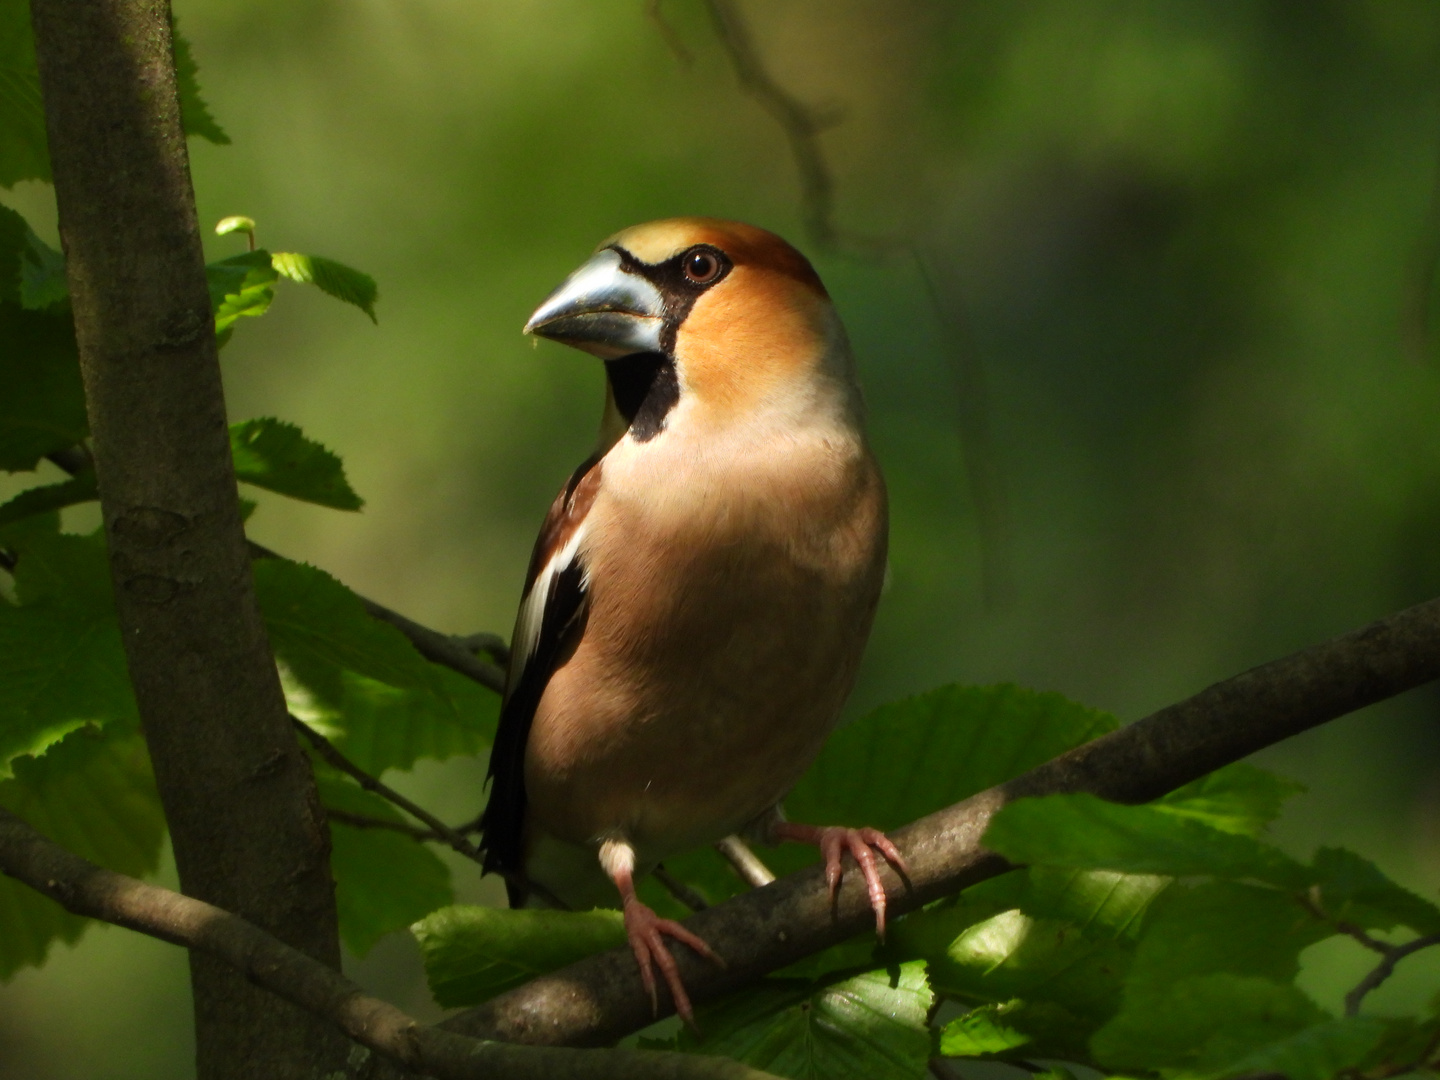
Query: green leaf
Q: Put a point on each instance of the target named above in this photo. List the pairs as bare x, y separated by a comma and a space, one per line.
911, 758
359, 681
43, 407
473, 953
13, 231
241, 285
1221, 926
1203, 1022
1060, 940
42, 274
1353, 889
49, 497
982, 1031
1104, 904
329, 276
1014, 955
311, 616
1084, 832
384, 880
23, 155
94, 794
61, 662
195, 115
1238, 798
1318, 1053
277, 456
867, 1027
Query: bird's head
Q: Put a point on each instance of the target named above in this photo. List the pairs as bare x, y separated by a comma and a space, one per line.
725, 313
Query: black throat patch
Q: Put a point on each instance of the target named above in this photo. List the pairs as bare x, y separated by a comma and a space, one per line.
646, 388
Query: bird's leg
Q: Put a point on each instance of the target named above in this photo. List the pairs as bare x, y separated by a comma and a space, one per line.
647, 931
833, 841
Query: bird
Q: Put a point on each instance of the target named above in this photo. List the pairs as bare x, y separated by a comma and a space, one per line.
702, 587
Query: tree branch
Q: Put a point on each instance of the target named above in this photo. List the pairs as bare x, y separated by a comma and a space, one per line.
362, 821
86, 889
237, 791
1383, 970
601, 999
745, 862
326, 749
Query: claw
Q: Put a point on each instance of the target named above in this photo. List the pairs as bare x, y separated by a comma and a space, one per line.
834, 841
647, 933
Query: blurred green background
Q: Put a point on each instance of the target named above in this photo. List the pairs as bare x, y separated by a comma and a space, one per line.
1180, 241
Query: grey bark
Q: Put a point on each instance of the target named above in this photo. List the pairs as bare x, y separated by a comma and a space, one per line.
248, 831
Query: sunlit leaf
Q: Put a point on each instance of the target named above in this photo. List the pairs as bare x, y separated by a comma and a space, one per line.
867, 1027
1014, 955
277, 456
384, 880
1085, 832
329, 276
242, 285
1238, 798
93, 794
473, 953
982, 1031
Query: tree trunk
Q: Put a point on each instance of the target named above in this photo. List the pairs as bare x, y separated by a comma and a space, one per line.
247, 827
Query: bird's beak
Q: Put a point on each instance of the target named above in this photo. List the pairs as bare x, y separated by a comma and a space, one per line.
603, 309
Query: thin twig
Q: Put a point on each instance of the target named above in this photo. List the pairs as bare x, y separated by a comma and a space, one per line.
1383, 970
1310, 902
745, 862
326, 749
364, 821
668, 34
679, 890
86, 889
800, 124
438, 648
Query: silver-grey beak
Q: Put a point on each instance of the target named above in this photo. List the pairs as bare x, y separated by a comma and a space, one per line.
603, 309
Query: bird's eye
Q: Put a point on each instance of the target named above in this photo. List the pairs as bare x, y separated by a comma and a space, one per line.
701, 266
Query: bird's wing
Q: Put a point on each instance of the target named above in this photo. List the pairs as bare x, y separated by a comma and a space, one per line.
552, 615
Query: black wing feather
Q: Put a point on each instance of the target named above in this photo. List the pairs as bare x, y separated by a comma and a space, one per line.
502, 824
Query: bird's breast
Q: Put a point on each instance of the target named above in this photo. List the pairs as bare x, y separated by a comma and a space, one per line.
726, 616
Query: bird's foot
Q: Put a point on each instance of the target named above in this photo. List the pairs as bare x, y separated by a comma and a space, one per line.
833, 841
647, 933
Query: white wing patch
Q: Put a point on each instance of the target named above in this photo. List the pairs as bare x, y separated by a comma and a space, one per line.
530, 620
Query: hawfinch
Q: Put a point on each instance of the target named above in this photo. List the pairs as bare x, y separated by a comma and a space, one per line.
702, 587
